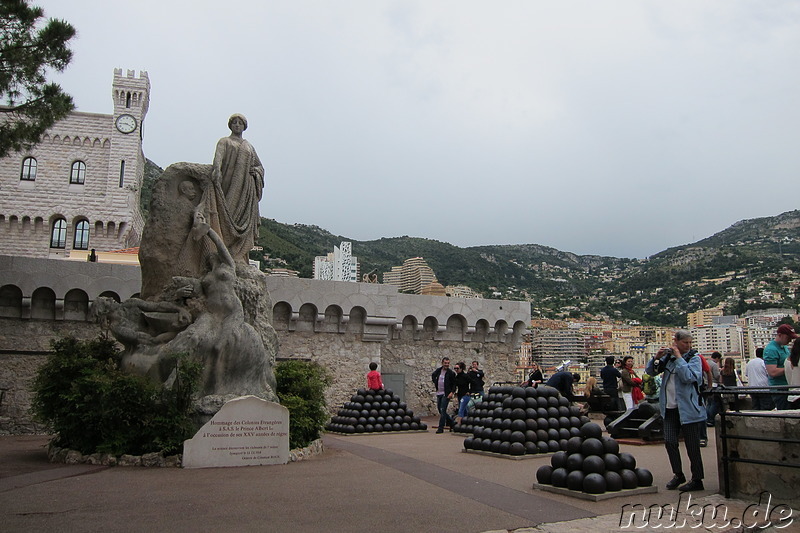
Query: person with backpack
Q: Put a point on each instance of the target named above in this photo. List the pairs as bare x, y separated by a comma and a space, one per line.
681, 407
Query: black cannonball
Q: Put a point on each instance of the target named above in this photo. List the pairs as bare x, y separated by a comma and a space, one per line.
505, 447
574, 410
610, 445
518, 413
391, 412
592, 446
496, 433
547, 391
518, 392
380, 420
594, 464
506, 389
506, 412
497, 412
563, 411
563, 402
559, 460
563, 422
495, 423
505, 435
574, 461
531, 403
559, 477
531, 448
531, 392
542, 423
594, 483
516, 448
496, 446
416, 419
517, 436
359, 428
374, 413
575, 480
518, 403
505, 423
369, 428
552, 433
628, 461
552, 422
530, 423
541, 401
423, 425
486, 444
574, 445
575, 422
542, 445
563, 433
402, 405
407, 419
531, 413
562, 444
400, 412
541, 412
591, 430
585, 419
477, 431
518, 425
378, 427
629, 479
612, 462
644, 476
613, 481
494, 389
552, 401
543, 474
397, 426
486, 433
574, 431
553, 445
413, 426
468, 443
369, 397
389, 420
530, 436
349, 429
362, 420
541, 435
507, 402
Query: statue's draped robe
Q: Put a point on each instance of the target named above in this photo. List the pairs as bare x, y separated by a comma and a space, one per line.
232, 205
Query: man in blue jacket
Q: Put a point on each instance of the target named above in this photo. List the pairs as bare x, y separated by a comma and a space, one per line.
681, 406
444, 380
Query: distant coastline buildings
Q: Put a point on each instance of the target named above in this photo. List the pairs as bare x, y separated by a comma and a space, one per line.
411, 277
339, 265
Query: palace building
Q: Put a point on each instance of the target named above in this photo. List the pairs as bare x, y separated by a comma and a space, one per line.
79, 188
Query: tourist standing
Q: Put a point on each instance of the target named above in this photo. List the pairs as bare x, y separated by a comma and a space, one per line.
476, 376
757, 376
462, 390
791, 370
444, 380
775, 355
681, 407
610, 375
535, 378
628, 383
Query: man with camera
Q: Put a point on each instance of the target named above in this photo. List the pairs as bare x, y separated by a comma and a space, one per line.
681, 407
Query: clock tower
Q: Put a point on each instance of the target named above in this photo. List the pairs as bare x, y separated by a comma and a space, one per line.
131, 95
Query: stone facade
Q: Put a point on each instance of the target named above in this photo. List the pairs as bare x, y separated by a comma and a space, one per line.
342, 325
107, 199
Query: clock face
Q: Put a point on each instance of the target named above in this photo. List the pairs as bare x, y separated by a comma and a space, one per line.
126, 123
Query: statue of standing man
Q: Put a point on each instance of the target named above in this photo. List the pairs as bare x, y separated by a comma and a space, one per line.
237, 177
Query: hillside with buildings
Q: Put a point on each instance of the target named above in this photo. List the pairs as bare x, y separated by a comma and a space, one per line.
751, 265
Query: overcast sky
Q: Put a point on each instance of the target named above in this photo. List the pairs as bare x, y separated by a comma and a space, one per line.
615, 128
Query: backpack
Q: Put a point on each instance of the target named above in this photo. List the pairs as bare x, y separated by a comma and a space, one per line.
649, 387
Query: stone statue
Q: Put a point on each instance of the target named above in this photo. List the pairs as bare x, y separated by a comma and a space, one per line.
238, 180
199, 294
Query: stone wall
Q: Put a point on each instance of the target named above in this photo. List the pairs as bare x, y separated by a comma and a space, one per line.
748, 481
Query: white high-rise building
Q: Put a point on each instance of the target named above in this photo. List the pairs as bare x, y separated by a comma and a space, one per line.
341, 265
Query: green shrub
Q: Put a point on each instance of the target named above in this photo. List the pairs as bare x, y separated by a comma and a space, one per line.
301, 389
93, 406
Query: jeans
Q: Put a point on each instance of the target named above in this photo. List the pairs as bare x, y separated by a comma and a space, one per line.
463, 403
442, 403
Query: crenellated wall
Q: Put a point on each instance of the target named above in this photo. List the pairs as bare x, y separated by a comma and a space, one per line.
342, 325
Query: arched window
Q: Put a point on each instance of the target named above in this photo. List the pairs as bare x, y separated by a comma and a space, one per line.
78, 172
28, 169
58, 237
81, 235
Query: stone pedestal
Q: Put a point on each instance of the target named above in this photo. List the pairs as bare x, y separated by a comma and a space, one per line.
247, 431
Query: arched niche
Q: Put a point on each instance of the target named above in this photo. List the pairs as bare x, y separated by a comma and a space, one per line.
76, 305
355, 324
501, 329
43, 304
281, 316
111, 294
333, 319
307, 317
481, 330
409, 331
456, 327
10, 301
429, 328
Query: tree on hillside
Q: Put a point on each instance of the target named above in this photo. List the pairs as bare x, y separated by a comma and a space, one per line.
26, 53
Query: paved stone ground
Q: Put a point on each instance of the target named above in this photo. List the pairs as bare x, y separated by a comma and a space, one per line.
390, 482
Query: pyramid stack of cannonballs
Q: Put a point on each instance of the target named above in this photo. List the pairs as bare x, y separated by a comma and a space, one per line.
375, 411
592, 463
519, 421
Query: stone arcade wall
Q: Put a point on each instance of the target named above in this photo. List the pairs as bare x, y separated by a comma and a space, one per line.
342, 325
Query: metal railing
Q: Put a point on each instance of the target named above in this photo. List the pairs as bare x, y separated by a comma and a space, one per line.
725, 436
